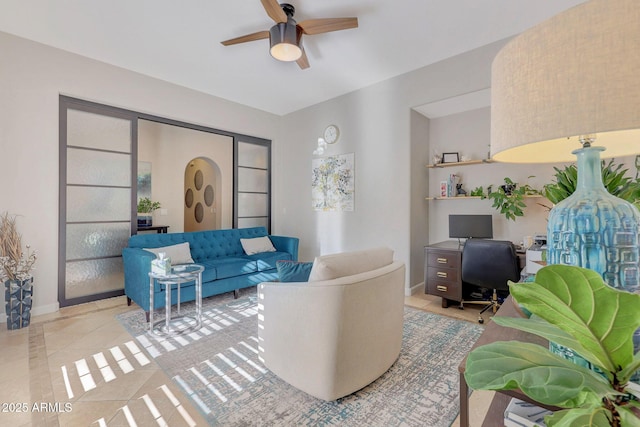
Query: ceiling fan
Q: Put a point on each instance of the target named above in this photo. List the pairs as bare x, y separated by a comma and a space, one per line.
286, 36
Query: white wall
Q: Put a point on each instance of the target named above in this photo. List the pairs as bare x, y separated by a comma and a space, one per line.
32, 77
376, 125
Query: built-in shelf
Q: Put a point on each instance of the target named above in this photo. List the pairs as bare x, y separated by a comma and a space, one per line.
474, 197
468, 162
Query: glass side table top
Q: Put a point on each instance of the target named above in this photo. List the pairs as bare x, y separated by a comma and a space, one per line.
185, 271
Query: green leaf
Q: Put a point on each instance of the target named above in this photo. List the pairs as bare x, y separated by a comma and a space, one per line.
583, 417
630, 369
541, 375
544, 329
578, 301
628, 417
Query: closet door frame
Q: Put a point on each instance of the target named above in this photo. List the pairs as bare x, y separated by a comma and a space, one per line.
66, 103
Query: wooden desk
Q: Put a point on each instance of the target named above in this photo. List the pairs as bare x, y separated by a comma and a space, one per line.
443, 270
158, 228
492, 333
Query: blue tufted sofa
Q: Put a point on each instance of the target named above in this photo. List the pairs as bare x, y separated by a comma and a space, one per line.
227, 267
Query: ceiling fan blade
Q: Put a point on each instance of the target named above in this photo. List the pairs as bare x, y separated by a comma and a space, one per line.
274, 10
303, 61
326, 25
247, 38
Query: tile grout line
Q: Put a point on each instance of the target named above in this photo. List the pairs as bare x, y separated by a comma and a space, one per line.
41, 390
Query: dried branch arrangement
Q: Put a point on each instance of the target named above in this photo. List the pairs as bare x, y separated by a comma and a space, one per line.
15, 264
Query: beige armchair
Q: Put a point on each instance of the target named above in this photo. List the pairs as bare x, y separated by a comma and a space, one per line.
331, 337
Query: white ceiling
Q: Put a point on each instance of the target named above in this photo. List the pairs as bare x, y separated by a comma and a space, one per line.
179, 40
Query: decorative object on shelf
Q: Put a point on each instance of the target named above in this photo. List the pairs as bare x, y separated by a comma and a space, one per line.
460, 191
585, 61
450, 158
322, 145
16, 267
478, 192
444, 188
614, 179
145, 211
509, 199
602, 331
331, 134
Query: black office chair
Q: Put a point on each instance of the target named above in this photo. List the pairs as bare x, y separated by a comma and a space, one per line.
488, 264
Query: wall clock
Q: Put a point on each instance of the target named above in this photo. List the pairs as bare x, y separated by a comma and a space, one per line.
331, 134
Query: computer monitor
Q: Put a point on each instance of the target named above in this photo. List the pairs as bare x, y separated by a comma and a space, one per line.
471, 226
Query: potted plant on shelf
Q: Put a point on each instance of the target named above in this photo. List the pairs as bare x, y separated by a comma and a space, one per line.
573, 307
509, 198
16, 266
145, 211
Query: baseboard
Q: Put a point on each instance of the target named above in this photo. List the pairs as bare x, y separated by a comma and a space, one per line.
36, 311
414, 289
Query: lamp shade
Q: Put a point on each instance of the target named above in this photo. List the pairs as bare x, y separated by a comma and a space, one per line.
575, 74
284, 38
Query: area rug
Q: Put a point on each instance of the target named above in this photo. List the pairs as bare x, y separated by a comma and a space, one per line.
218, 368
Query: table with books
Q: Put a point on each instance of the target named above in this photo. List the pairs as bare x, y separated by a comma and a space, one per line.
493, 332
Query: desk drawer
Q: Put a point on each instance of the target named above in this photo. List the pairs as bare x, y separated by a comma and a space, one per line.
448, 275
443, 259
448, 290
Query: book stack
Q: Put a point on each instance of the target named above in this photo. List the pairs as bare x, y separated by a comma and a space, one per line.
522, 414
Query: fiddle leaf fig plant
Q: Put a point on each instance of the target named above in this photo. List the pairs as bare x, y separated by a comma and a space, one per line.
573, 307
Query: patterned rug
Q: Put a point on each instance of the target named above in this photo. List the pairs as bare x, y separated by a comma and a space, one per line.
218, 368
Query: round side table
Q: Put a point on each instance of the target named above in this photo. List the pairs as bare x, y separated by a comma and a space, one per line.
176, 324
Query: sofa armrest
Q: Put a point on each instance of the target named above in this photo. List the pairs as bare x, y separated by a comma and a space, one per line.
286, 244
137, 265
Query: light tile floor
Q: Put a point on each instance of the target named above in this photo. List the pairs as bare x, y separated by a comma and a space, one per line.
80, 367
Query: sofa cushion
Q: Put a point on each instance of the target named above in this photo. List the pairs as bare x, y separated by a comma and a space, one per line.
179, 254
210, 273
257, 245
233, 266
293, 271
267, 260
332, 266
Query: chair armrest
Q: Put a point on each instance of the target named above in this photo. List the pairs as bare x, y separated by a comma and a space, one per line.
328, 337
137, 265
286, 244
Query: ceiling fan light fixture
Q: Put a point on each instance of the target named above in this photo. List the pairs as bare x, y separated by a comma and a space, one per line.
285, 42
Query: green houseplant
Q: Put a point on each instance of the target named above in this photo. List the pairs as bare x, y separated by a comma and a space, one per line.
145, 205
145, 209
571, 306
509, 198
16, 266
613, 177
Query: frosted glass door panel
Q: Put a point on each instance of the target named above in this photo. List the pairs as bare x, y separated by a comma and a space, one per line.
97, 178
91, 167
250, 204
253, 155
253, 180
85, 278
253, 222
98, 204
96, 240
85, 129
